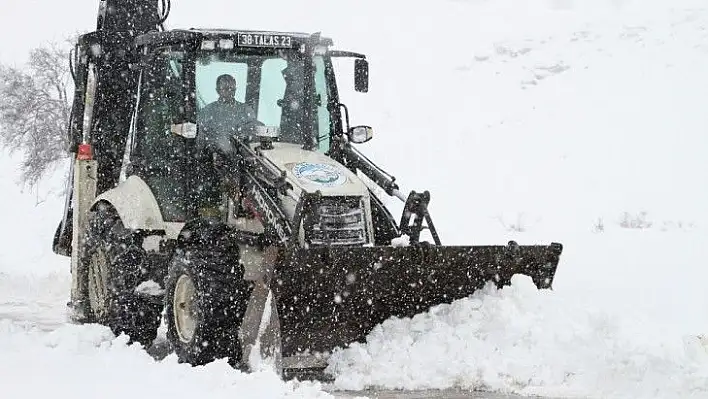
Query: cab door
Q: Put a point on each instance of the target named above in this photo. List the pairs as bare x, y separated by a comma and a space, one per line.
157, 155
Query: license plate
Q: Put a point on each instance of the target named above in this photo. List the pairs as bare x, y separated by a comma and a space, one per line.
264, 40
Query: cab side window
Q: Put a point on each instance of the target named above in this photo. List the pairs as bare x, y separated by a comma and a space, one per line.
272, 90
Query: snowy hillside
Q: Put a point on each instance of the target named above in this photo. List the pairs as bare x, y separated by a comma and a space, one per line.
574, 121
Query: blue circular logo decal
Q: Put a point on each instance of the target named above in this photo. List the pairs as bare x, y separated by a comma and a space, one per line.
319, 173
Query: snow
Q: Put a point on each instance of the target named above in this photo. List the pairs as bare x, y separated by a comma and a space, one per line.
522, 340
402, 241
150, 287
537, 121
622, 321
89, 362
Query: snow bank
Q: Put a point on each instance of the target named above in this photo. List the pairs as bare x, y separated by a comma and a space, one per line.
34, 301
43, 355
89, 362
522, 340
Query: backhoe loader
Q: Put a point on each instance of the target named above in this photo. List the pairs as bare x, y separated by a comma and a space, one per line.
244, 213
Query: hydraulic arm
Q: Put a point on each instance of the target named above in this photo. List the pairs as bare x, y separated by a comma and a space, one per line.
105, 87
106, 83
416, 204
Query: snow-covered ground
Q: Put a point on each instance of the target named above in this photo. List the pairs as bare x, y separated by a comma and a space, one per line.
559, 118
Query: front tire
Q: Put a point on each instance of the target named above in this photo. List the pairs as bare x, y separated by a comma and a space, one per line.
205, 301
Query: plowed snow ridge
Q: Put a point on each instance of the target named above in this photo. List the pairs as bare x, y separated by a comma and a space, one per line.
520, 340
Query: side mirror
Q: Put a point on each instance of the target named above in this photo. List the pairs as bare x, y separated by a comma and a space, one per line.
360, 134
266, 131
361, 75
266, 135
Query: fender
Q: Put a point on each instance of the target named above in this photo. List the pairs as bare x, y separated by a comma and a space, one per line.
137, 207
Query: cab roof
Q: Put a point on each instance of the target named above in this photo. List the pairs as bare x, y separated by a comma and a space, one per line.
194, 37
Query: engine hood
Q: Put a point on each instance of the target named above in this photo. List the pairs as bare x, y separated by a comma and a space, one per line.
311, 171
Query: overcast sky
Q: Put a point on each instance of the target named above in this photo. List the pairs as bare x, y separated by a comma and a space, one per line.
25, 24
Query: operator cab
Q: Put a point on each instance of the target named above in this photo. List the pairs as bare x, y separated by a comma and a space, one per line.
270, 73
285, 80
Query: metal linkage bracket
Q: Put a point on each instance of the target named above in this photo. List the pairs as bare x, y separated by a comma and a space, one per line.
416, 207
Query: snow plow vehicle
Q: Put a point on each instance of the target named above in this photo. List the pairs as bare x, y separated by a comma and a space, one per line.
215, 181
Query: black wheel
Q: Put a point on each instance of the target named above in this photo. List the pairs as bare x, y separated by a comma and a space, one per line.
205, 301
113, 259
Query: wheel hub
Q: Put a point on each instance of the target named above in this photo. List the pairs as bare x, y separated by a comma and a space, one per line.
183, 308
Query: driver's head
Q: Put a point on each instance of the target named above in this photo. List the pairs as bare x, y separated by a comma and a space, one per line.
226, 87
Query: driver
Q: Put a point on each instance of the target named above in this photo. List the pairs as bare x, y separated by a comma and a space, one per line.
225, 117
218, 122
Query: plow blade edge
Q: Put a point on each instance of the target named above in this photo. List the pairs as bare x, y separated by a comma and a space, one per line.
330, 297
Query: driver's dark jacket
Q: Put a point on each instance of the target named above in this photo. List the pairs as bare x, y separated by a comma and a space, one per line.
222, 119
217, 123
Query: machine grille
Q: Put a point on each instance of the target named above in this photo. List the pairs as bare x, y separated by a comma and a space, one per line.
339, 221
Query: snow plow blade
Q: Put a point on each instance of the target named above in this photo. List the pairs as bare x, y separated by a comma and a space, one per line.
330, 297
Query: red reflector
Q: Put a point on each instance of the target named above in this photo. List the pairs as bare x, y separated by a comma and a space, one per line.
85, 152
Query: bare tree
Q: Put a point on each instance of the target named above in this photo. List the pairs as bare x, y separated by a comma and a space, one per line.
34, 111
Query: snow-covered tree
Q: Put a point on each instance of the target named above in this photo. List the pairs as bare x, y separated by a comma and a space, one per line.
34, 110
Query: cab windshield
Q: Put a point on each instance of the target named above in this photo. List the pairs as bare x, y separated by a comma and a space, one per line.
269, 91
